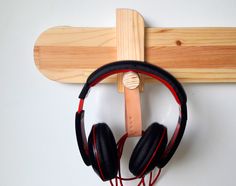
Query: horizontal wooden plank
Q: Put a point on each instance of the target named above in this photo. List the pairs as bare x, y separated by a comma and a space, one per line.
70, 54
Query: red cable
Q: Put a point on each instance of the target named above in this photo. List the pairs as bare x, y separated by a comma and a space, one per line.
116, 182
150, 178
120, 144
156, 178
120, 147
111, 183
142, 181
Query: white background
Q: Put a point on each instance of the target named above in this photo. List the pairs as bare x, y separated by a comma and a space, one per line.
37, 137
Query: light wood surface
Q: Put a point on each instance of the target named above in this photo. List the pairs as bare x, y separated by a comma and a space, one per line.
70, 54
131, 80
130, 46
129, 38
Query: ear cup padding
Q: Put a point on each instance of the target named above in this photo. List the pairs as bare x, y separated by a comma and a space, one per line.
103, 151
148, 150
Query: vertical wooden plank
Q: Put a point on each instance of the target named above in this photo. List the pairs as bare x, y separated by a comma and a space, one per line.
130, 46
129, 38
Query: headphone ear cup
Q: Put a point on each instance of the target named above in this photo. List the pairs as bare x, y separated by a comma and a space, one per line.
148, 150
103, 152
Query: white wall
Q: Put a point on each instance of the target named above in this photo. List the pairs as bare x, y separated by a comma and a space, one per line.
37, 137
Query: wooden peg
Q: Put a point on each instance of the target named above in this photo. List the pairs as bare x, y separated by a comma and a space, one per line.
130, 46
131, 80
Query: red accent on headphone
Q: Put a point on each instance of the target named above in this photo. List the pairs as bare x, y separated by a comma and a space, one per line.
81, 105
172, 140
96, 154
158, 146
142, 72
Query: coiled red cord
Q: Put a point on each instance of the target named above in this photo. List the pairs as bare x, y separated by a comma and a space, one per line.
120, 147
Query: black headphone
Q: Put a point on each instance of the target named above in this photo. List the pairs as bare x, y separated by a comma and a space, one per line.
152, 150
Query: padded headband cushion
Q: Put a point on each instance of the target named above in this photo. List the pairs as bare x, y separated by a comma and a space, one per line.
103, 151
136, 66
149, 148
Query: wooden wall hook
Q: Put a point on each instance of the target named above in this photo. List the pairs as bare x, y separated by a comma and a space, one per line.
70, 54
130, 46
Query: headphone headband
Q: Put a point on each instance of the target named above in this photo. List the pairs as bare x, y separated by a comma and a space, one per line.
144, 68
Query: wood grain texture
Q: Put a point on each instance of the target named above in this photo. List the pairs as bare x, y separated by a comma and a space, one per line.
130, 46
131, 80
129, 39
70, 54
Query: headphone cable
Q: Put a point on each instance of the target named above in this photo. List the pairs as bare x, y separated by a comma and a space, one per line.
120, 147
